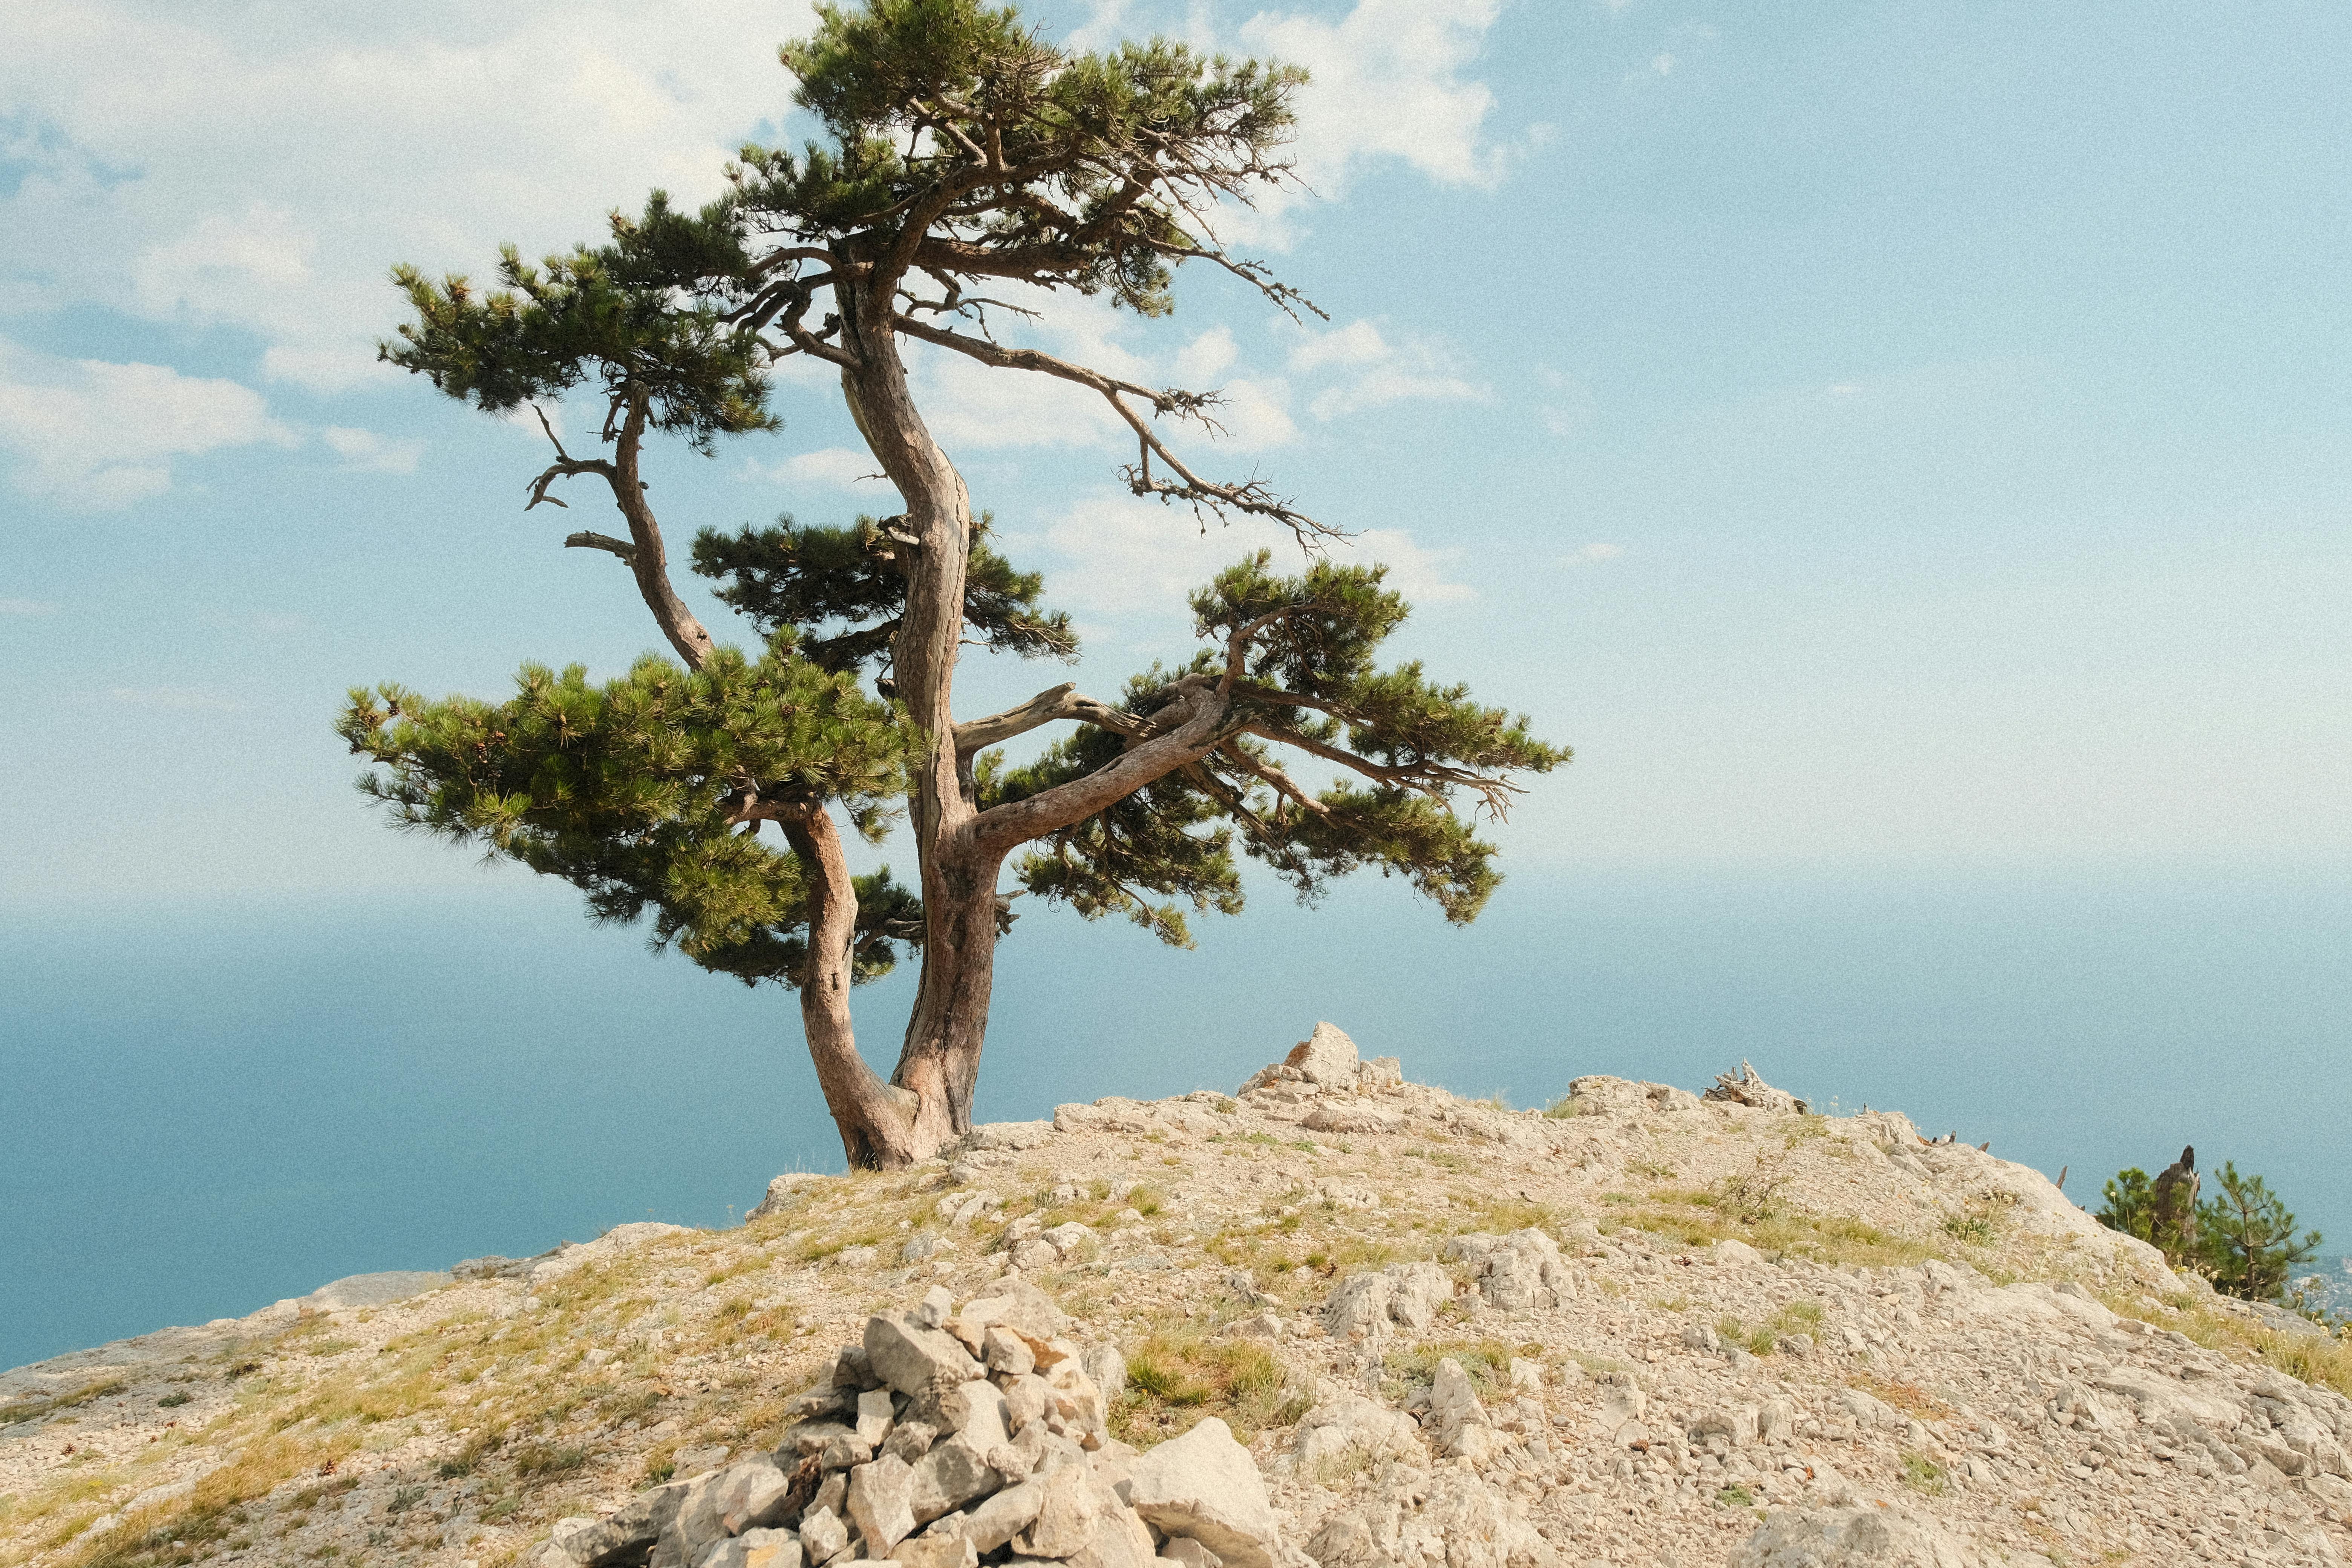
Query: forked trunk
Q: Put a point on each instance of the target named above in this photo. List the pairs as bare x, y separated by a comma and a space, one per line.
876, 1130
941, 1058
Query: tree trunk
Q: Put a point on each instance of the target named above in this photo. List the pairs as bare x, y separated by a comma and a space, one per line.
941, 1058
874, 1117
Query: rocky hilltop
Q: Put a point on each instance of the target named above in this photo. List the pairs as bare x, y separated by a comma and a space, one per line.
1334, 1319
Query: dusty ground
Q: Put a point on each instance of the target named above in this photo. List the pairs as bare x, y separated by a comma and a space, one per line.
1749, 1311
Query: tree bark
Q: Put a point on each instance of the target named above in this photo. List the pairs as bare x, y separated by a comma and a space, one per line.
875, 1132
941, 1058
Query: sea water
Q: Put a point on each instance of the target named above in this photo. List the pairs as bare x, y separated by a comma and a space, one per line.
206, 1107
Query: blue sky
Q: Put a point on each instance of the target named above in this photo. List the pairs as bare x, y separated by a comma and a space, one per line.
1873, 436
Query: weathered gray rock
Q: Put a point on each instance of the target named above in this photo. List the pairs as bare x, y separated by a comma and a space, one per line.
1463, 1524
1020, 1307
1463, 1429
935, 1552
718, 1505
1068, 1509
998, 1520
783, 1193
821, 1534
599, 1543
1204, 1485
1851, 1538
915, 1359
1105, 1365
1744, 1088
1349, 1428
873, 1415
1327, 1057
949, 1475
1009, 1136
881, 1502
1187, 1552
977, 1410
756, 1549
1007, 1352
1520, 1271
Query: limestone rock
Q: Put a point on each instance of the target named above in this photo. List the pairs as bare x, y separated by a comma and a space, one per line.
1068, 1509
949, 1475
1521, 1271
915, 1359
1744, 1088
1349, 1118
1851, 1538
626, 1534
1408, 1294
936, 1552
756, 1549
880, 1503
1203, 1485
1463, 1524
1327, 1057
1009, 1136
821, 1534
1349, 1427
999, 1520
783, 1193
1463, 1429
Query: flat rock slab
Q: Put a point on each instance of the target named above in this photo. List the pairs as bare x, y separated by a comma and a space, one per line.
377, 1289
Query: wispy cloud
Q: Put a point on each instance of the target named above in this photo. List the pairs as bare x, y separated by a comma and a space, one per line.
841, 467
92, 436
1118, 557
364, 451
1363, 370
1590, 554
26, 607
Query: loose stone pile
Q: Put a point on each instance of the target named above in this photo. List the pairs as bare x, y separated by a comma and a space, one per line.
944, 1439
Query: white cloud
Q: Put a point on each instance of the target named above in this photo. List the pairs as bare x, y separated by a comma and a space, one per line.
1388, 82
1419, 574
366, 452
1121, 557
1369, 372
841, 467
94, 436
1597, 551
185, 699
26, 607
425, 132
1568, 405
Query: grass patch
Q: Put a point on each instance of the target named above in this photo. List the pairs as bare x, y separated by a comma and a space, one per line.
1178, 1377
1922, 1474
1736, 1496
1975, 1229
1764, 1338
30, 1409
2321, 1360
1564, 1109
1487, 1361
1908, 1397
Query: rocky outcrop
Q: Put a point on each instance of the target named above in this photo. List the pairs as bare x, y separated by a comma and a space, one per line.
940, 1437
1745, 1088
1853, 1538
1325, 1059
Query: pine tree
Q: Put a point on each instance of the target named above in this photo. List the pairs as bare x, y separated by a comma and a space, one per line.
2131, 1204
2247, 1240
960, 152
